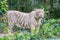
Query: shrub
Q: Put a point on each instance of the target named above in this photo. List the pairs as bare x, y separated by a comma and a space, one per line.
50, 29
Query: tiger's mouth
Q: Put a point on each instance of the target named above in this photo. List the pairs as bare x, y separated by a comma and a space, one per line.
37, 18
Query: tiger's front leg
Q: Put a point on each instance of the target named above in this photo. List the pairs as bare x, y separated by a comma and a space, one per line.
32, 28
35, 29
39, 23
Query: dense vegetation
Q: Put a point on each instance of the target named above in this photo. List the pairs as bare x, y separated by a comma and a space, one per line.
51, 24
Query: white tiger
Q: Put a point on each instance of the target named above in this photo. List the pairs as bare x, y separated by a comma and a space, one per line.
30, 20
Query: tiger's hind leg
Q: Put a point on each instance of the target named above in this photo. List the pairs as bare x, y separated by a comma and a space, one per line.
10, 28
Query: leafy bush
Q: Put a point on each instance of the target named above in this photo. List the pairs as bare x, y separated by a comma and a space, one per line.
3, 6
3, 28
50, 29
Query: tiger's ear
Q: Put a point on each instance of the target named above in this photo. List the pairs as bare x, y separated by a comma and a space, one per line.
43, 8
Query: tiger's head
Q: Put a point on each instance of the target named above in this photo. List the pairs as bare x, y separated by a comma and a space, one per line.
39, 13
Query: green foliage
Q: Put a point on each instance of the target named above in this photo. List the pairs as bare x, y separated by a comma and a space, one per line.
55, 11
21, 5
3, 25
3, 6
23, 36
3, 28
51, 29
